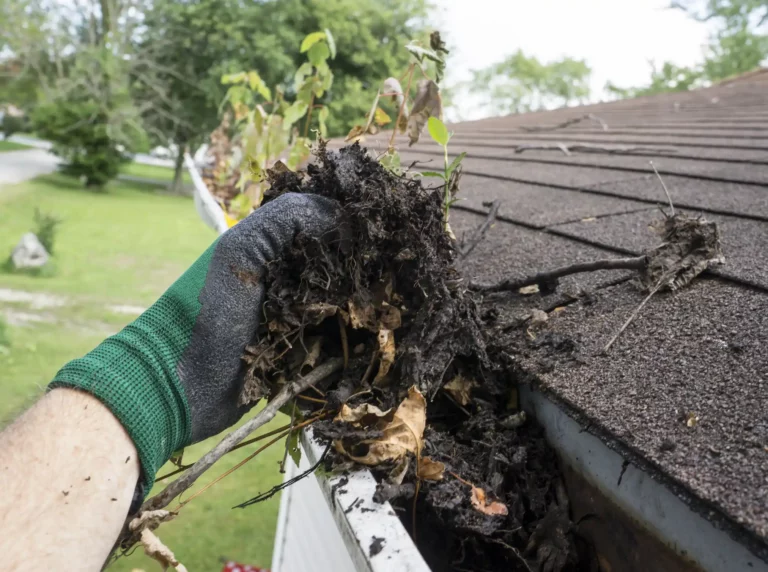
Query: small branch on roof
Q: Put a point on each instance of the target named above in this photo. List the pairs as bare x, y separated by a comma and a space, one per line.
573, 121
479, 233
586, 148
632, 316
551, 277
666, 191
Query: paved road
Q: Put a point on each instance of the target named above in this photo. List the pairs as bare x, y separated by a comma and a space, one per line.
18, 166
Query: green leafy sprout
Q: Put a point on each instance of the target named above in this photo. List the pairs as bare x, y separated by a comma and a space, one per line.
451, 169
268, 126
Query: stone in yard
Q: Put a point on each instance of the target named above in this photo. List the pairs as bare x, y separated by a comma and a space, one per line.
29, 252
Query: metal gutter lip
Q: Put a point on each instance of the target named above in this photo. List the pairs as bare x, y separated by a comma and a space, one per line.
635, 491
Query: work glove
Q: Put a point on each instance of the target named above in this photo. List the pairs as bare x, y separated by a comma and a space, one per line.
173, 376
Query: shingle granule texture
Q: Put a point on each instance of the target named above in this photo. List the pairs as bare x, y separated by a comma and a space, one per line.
697, 352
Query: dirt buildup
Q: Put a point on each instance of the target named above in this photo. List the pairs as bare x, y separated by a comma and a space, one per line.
421, 401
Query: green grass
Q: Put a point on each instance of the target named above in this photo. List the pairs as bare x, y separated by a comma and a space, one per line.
152, 172
12, 146
125, 246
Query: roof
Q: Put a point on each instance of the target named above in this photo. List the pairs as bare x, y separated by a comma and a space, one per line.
698, 352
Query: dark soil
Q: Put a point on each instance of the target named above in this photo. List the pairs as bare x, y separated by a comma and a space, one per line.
391, 264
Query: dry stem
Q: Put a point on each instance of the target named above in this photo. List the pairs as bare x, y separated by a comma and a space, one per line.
636, 263
666, 191
479, 233
586, 148
288, 392
567, 123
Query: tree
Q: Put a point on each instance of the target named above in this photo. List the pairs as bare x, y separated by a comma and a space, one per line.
739, 45
521, 83
188, 46
669, 78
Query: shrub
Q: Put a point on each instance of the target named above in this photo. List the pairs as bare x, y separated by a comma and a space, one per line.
80, 134
45, 228
12, 124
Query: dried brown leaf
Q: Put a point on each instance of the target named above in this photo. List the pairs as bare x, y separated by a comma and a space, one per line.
528, 290
356, 132
316, 313
362, 315
481, 503
365, 415
430, 470
390, 317
689, 247
427, 104
313, 345
460, 388
155, 549
386, 353
403, 435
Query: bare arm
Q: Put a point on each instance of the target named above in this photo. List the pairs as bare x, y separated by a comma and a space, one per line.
68, 471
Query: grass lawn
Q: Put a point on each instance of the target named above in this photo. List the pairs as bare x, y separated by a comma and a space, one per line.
153, 172
124, 246
12, 146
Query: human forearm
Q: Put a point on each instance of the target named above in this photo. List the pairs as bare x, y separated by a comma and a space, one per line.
69, 471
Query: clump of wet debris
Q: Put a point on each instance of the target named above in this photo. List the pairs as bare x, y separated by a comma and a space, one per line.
421, 400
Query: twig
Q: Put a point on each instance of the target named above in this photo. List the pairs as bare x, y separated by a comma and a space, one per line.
344, 341
588, 116
479, 233
285, 484
288, 439
636, 263
633, 316
568, 150
288, 392
669, 198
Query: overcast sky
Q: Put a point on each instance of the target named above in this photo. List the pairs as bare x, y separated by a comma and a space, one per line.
617, 38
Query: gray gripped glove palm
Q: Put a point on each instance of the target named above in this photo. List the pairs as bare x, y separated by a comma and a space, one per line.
173, 376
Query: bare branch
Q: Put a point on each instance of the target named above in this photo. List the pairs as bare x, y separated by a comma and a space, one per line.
636, 263
573, 121
479, 233
288, 392
666, 191
632, 316
588, 148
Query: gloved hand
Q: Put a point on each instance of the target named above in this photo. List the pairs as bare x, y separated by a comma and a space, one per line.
173, 376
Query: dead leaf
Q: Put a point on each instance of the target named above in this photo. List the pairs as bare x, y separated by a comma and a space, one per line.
313, 345
691, 419
460, 388
362, 315
155, 549
528, 290
430, 470
316, 313
392, 88
364, 415
403, 435
427, 104
356, 132
390, 316
689, 247
480, 502
380, 117
386, 353
397, 475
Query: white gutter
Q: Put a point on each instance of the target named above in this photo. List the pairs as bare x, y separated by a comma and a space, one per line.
207, 207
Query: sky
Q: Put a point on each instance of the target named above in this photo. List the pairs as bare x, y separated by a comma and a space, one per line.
617, 38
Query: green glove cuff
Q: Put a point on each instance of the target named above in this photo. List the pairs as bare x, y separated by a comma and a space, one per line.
134, 373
